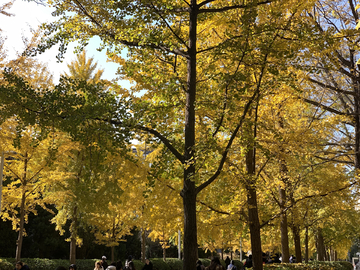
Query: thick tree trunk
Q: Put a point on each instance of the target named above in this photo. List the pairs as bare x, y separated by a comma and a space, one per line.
189, 190
254, 229
296, 233
285, 253
320, 247
254, 223
72, 250
190, 227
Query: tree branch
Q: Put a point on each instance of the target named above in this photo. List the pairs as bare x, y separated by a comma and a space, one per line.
213, 10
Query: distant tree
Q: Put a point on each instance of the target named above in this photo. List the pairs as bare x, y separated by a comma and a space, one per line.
83, 68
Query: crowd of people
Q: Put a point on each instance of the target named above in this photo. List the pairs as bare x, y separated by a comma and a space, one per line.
129, 264
99, 265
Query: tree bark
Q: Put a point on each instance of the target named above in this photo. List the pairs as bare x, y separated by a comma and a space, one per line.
320, 247
143, 245
285, 253
189, 190
296, 234
254, 223
164, 253
73, 229
21, 229
22, 211
306, 244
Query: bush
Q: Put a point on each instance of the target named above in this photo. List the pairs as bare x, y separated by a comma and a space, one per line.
5, 265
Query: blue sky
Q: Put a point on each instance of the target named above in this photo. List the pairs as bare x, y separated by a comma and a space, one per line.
29, 15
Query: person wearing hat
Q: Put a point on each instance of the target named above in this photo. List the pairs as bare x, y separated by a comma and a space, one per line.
104, 263
72, 267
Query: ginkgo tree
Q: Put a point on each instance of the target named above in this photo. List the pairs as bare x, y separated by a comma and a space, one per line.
178, 52
29, 173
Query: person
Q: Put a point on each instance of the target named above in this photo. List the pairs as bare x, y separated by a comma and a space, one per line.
232, 266
148, 265
103, 262
292, 259
199, 265
357, 265
127, 263
21, 266
227, 262
215, 265
112, 266
131, 265
119, 265
72, 267
98, 265
248, 262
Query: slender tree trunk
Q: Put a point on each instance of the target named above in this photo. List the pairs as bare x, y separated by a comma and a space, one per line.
285, 253
306, 244
21, 228
22, 211
73, 232
164, 253
189, 190
143, 245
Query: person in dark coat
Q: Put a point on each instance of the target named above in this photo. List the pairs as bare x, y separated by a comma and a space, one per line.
104, 262
227, 262
148, 265
248, 262
215, 265
21, 266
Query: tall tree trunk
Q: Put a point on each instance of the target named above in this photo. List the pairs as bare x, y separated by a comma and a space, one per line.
282, 201
285, 253
320, 247
306, 244
73, 232
189, 190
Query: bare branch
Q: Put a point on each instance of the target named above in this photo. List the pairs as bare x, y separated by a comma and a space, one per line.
327, 108
327, 86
